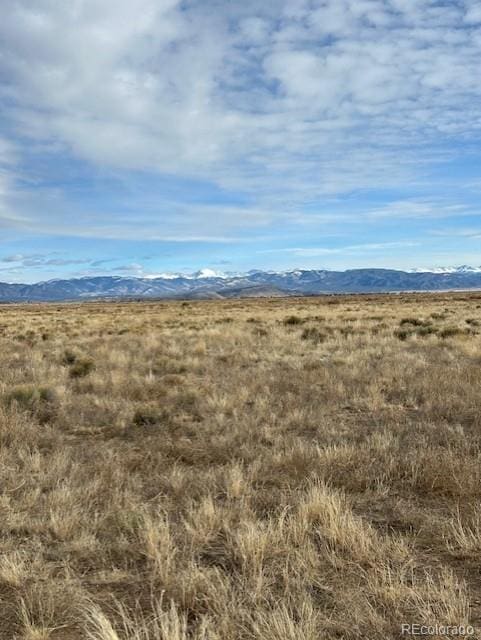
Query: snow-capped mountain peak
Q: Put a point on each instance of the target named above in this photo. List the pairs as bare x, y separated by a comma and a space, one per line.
207, 273
201, 273
464, 268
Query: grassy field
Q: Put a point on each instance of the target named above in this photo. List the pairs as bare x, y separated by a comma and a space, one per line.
290, 469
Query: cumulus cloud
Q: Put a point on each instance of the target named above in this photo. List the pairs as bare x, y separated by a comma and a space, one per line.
283, 103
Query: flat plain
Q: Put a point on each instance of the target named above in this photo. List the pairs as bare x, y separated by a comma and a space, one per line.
269, 469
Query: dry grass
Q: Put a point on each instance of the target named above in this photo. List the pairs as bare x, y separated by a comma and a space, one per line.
287, 469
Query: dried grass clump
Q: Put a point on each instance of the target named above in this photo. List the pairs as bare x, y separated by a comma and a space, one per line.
81, 367
40, 401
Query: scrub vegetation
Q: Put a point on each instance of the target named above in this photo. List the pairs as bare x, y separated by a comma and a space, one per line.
280, 469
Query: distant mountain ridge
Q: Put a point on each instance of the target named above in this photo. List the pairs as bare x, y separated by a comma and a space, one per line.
464, 268
207, 284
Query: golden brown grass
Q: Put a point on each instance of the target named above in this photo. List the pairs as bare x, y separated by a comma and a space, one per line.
288, 469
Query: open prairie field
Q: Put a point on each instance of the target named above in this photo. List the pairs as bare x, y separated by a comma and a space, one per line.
283, 469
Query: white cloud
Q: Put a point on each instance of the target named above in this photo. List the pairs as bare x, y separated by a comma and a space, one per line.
18, 257
406, 209
284, 102
473, 12
41, 260
353, 249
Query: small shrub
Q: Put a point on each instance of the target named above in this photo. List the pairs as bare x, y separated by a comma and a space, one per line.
415, 322
69, 357
28, 395
402, 334
30, 337
164, 365
82, 367
147, 417
293, 320
313, 334
473, 322
426, 331
449, 332
187, 401
42, 402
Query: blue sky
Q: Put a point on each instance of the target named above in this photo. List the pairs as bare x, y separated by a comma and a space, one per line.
165, 135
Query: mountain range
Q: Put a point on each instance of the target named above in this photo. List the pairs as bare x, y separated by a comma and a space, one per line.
207, 284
